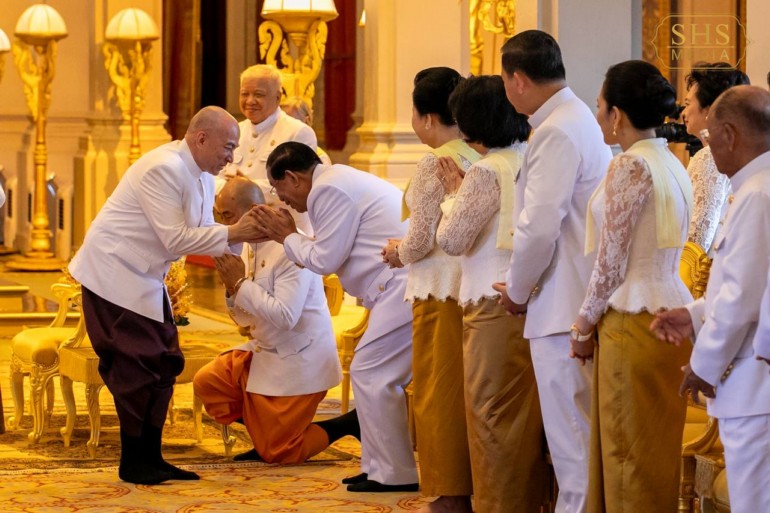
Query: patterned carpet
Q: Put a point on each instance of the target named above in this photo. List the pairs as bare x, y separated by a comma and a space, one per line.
252, 487
49, 478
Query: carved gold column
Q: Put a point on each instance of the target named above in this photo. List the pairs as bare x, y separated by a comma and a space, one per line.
494, 16
127, 57
34, 51
304, 22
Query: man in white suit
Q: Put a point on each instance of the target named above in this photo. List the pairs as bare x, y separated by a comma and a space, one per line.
160, 210
565, 161
265, 127
352, 212
275, 381
724, 365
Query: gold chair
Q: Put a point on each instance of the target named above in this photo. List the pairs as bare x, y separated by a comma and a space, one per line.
694, 268
35, 353
79, 362
349, 323
701, 434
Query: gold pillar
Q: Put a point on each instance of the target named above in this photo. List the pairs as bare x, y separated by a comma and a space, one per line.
37, 31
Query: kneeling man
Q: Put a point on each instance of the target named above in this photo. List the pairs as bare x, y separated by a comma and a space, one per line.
274, 382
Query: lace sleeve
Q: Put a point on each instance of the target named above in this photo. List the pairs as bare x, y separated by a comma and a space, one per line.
424, 198
710, 188
477, 201
628, 186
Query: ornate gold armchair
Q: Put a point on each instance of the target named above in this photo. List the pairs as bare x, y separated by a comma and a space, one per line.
79, 362
701, 434
35, 353
349, 323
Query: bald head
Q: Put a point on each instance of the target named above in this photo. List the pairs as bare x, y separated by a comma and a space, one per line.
747, 107
236, 198
739, 127
209, 119
212, 136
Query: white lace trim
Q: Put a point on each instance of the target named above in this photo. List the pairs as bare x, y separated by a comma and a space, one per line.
710, 190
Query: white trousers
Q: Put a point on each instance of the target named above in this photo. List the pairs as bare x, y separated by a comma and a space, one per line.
747, 457
380, 371
564, 387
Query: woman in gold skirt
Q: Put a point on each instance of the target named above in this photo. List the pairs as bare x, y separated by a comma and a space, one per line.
432, 286
643, 207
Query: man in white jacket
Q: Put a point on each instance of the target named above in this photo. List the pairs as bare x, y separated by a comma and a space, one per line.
160, 210
352, 212
265, 127
724, 365
274, 382
565, 161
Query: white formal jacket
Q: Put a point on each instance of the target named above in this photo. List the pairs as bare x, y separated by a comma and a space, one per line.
354, 214
258, 141
255, 145
160, 211
726, 320
565, 161
295, 352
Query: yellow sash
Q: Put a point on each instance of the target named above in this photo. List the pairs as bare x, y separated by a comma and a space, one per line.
506, 164
662, 163
455, 149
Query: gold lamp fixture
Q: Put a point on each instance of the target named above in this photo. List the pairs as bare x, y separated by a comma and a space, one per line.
304, 22
127, 57
34, 54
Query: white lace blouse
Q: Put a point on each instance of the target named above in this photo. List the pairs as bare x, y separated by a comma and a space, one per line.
431, 271
631, 274
469, 228
710, 191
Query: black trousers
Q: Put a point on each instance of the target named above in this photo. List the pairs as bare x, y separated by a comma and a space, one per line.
139, 360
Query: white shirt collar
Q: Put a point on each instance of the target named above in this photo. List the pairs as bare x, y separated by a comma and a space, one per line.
187, 157
540, 115
760, 163
267, 123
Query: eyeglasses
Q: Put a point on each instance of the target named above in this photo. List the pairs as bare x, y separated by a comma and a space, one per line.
272, 191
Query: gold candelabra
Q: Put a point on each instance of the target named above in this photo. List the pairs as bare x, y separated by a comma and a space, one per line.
127, 57
34, 52
304, 22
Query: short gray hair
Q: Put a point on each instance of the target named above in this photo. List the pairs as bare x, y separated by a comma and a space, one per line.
263, 71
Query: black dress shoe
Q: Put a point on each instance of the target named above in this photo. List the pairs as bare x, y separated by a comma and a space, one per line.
251, 455
375, 487
360, 478
178, 473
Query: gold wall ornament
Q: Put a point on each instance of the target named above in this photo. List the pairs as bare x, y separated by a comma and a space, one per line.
38, 30
293, 39
127, 58
493, 16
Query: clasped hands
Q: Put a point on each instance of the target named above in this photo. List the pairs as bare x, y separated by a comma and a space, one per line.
263, 223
